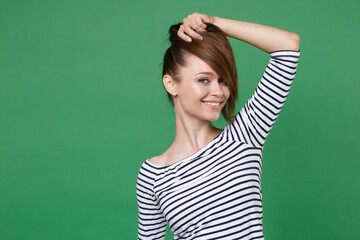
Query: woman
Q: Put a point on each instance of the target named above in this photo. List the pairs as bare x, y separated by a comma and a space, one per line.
207, 185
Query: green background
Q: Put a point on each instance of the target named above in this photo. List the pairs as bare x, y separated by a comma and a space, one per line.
82, 106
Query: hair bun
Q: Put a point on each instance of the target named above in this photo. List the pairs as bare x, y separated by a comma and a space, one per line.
173, 32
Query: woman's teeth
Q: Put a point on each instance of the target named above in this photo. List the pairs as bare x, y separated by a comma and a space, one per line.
211, 103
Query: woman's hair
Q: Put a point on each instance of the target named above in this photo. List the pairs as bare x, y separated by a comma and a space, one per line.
215, 50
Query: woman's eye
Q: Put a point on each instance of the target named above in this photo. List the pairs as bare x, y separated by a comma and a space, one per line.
222, 81
203, 80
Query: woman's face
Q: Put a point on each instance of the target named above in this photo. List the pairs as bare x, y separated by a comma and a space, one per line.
201, 93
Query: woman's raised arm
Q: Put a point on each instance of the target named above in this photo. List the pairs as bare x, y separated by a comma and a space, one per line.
266, 38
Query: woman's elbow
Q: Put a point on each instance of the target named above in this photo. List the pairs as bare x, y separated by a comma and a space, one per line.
295, 42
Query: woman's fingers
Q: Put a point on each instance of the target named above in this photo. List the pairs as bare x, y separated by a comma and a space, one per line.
196, 24
191, 24
187, 33
201, 26
182, 35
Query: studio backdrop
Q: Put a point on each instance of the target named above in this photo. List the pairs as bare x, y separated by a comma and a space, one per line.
82, 106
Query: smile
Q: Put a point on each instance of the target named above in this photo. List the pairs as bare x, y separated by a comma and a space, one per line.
213, 105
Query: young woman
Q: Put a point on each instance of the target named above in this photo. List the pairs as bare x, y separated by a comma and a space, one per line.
207, 185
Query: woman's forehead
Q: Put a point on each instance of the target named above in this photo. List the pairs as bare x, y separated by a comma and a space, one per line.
196, 65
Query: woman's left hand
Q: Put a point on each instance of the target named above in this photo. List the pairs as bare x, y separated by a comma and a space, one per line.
197, 22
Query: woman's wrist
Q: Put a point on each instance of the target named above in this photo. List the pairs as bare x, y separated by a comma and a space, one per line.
223, 24
218, 22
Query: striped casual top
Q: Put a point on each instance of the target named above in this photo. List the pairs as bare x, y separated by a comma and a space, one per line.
215, 193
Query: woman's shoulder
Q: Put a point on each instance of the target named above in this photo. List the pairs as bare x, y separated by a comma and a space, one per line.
162, 159
165, 159
157, 160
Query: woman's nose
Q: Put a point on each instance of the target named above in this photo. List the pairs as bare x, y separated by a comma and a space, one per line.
216, 89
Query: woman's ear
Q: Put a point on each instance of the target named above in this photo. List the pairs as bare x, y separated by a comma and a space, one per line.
169, 84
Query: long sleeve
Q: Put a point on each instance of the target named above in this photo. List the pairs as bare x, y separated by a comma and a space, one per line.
254, 121
151, 223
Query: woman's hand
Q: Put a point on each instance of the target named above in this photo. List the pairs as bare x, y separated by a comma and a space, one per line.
192, 23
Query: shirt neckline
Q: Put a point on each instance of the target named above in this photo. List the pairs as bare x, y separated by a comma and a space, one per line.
198, 152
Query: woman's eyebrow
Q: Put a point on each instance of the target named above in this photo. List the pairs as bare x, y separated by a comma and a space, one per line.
208, 73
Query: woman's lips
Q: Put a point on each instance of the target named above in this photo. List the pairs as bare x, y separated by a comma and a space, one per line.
208, 104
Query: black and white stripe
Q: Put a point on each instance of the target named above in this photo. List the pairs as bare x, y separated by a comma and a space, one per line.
216, 192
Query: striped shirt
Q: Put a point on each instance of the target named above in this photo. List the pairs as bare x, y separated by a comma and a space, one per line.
215, 193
